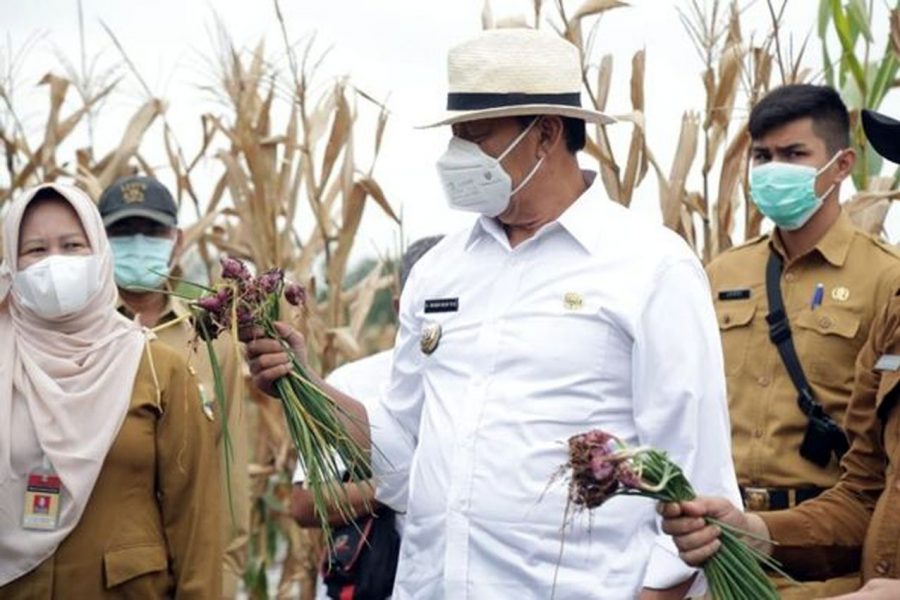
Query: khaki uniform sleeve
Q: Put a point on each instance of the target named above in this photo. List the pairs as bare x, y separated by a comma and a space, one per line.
188, 474
820, 538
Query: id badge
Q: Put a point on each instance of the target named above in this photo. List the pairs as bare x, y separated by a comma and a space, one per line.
42, 500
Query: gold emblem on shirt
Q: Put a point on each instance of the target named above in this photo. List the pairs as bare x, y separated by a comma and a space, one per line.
840, 293
133, 192
431, 337
573, 301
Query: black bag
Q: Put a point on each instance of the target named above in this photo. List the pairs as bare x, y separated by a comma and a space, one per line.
362, 562
823, 436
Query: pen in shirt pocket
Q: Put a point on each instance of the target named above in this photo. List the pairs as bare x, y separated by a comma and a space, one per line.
818, 295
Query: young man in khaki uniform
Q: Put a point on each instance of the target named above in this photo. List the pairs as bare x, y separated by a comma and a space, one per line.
834, 279
141, 220
858, 519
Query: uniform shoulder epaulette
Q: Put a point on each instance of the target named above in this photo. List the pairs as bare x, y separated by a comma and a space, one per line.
754, 241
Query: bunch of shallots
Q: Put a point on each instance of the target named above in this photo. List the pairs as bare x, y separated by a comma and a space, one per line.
600, 466
314, 421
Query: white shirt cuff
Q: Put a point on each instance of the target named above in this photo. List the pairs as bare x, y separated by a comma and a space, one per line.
666, 569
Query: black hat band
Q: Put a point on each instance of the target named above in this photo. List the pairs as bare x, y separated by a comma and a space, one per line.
480, 101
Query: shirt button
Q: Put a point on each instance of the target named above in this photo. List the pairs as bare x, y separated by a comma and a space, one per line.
826, 322
763, 381
790, 277
882, 567
726, 319
758, 433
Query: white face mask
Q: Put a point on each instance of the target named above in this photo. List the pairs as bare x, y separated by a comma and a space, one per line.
58, 285
476, 182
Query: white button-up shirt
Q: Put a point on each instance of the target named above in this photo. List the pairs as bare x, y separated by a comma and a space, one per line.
600, 320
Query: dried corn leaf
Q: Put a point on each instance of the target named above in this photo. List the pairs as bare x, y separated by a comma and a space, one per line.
374, 190
197, 229
869, 209
685, 153
340, 131
58, 87
62, 132
131, 140
609, 170
363, 294
345, 343
636, 164
732, 176
595, 7
723, 102
604, 79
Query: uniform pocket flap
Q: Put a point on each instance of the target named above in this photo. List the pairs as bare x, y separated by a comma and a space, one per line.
123, 564
828, 322
734, 315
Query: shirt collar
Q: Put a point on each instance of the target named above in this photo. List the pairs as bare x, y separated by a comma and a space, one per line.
581, 219
833, 246
171, 310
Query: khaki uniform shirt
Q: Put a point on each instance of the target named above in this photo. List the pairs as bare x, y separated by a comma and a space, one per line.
179, 335
861, 514
151, 526
859, 274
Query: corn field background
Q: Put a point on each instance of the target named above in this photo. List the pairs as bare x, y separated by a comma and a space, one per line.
291, 152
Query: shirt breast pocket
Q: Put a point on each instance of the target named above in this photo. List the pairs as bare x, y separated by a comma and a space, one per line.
829, 345
735, 327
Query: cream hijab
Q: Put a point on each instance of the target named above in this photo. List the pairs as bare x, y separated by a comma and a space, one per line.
65, 388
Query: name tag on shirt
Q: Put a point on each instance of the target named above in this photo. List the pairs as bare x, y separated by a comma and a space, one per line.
42, 500
441, 305
888, 362
742, 294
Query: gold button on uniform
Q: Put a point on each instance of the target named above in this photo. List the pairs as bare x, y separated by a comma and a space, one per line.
790, 277
826, 322
763, 381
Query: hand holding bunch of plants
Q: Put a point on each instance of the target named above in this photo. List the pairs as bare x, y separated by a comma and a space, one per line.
314, 421
601, 466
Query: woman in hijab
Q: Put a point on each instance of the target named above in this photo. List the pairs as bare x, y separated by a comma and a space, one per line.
108, 468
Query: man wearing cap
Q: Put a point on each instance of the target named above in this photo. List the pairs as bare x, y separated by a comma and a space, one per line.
859, 518
829, 278
557, 311
141, 220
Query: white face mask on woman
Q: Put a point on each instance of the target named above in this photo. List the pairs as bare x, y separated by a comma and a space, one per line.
475, 181
58, 285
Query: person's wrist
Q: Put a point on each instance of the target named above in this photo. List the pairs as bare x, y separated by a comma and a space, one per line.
760, 537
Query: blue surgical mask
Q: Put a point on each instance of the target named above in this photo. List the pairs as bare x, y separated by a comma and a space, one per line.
141, 261
786, 193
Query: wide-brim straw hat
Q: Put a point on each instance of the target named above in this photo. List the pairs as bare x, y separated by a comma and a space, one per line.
883, 133
513, 72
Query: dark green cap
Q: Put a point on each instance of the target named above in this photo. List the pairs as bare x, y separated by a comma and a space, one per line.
138, 196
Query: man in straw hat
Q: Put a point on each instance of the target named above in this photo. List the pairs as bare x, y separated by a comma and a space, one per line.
556, 312
858, 520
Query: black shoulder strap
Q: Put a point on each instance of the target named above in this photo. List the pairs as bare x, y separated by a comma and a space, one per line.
780, 335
